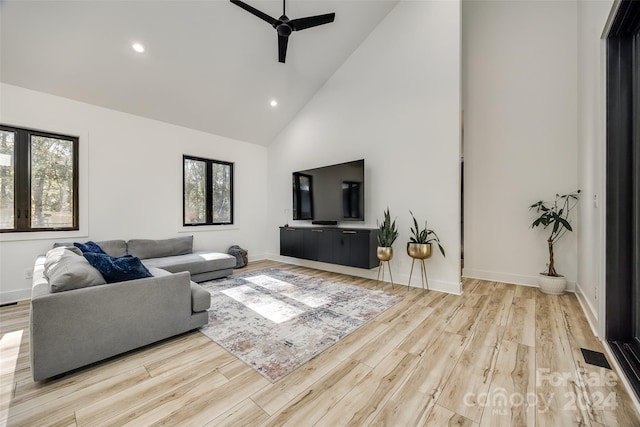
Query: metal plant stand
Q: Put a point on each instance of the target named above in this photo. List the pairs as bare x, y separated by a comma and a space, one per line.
381, 269
423, 274
420, 251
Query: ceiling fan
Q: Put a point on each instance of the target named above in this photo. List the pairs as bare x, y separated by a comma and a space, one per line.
284, 26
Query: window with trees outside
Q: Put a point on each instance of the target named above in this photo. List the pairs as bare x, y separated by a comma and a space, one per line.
207, 191
38, 181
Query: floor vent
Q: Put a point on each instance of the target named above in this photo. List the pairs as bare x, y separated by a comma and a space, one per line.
595, 358
8, 304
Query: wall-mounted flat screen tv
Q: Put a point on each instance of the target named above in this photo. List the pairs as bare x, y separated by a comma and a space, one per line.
329, 193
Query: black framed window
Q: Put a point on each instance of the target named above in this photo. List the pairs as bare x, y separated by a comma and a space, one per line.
207, 191
38, 181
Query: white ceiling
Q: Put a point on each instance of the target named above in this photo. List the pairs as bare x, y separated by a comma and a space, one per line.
208, 65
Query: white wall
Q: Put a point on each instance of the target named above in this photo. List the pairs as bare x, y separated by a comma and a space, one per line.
592, 16
131, 184
396, 103
520, 133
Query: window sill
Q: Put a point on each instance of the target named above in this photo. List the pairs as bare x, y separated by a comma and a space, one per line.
42, 235
196, 228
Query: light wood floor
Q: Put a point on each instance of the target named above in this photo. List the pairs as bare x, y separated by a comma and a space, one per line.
498, 355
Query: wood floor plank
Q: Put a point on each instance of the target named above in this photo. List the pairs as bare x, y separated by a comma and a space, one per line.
473, 372
467, 314
498, 306
204, 403
410, 366
511, 399
556, 386
441, 416
411, 403
246, 413
275, 396
311, 405
367, 397
418, 341
521, 325
45, 411
105, 411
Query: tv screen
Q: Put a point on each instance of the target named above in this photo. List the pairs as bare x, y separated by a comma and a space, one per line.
329, 193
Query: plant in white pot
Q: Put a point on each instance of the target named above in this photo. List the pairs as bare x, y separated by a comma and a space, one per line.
555, 215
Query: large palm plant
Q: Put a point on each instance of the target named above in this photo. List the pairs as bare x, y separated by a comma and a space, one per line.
555, 214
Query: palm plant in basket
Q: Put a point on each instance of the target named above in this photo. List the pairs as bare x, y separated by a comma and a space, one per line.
555, 215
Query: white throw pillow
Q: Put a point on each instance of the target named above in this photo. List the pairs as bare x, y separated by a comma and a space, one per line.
67, 270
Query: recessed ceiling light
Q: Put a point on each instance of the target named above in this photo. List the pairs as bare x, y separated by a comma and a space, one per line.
273, 103
138, 47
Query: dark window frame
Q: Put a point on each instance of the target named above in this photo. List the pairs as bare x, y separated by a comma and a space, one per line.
208, 191
22, 180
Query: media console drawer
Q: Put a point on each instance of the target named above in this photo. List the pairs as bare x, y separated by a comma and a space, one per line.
354, 247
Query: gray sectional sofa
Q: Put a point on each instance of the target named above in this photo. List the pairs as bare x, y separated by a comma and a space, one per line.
77, 319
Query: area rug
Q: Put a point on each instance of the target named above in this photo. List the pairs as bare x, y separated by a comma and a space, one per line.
275, 320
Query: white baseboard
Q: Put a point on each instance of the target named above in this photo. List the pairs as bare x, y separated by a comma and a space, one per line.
398, 278
15, 296
515, 279
590, 313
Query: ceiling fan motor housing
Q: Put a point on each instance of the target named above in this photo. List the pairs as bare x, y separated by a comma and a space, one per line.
284, 26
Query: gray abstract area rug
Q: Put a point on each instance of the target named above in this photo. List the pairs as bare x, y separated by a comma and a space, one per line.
275, 320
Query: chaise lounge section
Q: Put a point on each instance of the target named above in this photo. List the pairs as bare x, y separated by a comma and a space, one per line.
84, 323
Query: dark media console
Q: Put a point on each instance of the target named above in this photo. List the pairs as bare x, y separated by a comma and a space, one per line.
354, 247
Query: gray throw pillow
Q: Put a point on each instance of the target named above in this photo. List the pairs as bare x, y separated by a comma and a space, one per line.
54, 255
144, 249
66, 270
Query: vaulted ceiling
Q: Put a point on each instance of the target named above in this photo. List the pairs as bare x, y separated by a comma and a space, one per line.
207, 65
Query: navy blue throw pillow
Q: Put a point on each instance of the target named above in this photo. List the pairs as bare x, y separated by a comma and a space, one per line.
118, 269
89, 247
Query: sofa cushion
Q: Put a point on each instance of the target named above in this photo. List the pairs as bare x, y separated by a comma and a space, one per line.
200, 298
144, 248
67, 270
194, 263
118, 269
91, 247
116, 248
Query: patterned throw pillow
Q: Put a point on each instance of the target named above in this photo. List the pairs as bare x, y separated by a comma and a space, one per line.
120, 269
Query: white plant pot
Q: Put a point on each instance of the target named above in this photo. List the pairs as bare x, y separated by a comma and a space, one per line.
552, 285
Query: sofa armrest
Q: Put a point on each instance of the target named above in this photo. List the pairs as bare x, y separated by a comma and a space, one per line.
74, 328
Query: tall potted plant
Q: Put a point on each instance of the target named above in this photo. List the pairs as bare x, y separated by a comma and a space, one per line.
387, 234
555, 215
419, 245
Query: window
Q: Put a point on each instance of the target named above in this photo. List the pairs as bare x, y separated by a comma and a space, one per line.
207, 188
38, 181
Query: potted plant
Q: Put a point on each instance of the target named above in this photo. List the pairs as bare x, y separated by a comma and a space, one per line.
419, 245
387, 234
554, 214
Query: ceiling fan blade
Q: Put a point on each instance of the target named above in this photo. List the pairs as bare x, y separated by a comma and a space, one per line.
311, 21
282, 47
256, 12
